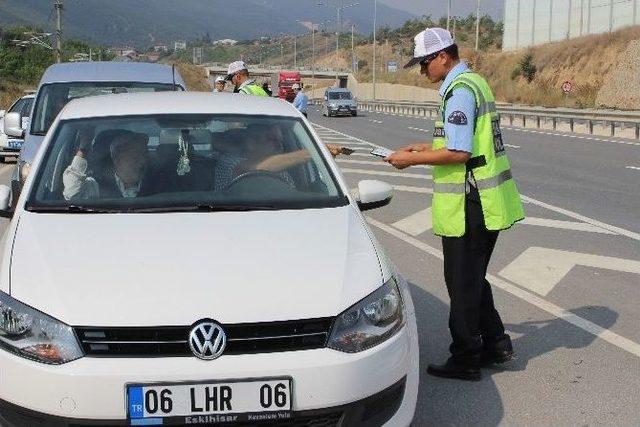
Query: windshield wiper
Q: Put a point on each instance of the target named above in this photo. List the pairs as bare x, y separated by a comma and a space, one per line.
205, 208
72, 209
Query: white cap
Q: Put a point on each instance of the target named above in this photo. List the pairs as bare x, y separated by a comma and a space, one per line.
428, 42
295, 86
234, 67
220, 79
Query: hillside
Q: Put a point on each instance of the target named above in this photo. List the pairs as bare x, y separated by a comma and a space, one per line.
143, 22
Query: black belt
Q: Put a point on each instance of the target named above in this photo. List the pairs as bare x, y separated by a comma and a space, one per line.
476, 162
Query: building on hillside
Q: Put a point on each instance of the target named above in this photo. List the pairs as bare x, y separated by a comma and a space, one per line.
533, 22
124, 51
180, 45
162, 48
225, 42
150, 57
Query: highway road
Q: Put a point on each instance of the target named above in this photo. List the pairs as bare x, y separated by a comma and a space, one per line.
566, 280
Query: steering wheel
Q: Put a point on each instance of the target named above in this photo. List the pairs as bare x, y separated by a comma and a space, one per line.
256, 174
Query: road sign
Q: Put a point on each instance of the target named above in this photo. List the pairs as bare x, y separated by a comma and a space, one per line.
566, 86
392, 66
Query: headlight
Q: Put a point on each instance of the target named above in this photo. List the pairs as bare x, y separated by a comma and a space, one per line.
34, 335
333, 105
369, 322
25, 167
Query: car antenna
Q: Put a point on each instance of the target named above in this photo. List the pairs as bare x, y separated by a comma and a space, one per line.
173, 74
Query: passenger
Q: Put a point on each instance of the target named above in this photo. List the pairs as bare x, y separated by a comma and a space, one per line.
127, 176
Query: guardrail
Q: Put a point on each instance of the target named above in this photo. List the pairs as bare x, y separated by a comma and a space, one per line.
614, 121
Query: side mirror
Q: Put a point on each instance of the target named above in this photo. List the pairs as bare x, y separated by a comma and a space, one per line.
5, 201
2, 113
373, 194
13, 125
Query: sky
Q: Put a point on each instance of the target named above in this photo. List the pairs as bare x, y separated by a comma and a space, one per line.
437, 8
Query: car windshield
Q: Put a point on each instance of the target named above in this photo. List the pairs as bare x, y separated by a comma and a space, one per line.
53, 97
183, 163
339, 95
23, 106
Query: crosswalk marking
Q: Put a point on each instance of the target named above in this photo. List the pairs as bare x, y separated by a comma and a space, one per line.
416, 223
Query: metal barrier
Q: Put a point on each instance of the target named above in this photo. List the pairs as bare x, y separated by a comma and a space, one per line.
615, 121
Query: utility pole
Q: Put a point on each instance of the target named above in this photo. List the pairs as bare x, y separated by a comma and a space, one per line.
477, 25
313, 55
533, 25
375, 17
295, 51
282, 53
455, 21
448, 13
57, 5
353, 52
610, 15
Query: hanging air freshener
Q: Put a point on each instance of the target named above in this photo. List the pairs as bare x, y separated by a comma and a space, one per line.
183, 167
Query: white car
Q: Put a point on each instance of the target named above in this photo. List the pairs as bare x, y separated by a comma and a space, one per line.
9, 146
189, 258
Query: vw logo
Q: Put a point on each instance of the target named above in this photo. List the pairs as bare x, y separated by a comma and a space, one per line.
207, 340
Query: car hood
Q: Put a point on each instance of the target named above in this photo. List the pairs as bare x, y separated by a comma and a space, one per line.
177, 268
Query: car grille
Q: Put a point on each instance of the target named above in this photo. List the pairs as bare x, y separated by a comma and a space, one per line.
172, 341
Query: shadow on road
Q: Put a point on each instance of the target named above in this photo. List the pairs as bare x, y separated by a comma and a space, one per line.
460, 403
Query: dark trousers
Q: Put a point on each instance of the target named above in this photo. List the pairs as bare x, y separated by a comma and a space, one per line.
473, 317
305, 114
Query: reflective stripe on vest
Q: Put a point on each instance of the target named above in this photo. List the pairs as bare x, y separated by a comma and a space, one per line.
492, 176
252, 89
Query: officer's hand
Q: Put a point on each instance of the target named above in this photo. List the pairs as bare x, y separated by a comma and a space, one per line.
334, 149
415, 147
400, 159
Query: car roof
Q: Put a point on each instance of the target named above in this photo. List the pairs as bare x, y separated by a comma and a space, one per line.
140, 104
110, 72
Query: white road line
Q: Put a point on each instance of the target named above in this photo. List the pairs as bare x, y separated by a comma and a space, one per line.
559, 312
633, 167
373, 163
418, 129
511, 146
566, 212
375, 121
416, 223
574, 215
541, 269
348, 136
383, 173
568, 135
408, 189
565, 225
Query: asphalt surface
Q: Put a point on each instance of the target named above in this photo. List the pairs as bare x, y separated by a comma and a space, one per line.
566, 282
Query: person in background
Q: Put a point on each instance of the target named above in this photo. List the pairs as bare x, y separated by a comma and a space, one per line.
238, 74
301, 101
219, 84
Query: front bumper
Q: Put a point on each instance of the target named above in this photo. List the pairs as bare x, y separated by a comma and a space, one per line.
91, 391
342, 112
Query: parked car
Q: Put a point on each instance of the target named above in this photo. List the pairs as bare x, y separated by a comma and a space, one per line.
339, 102
237, 281
10, 146
61, 83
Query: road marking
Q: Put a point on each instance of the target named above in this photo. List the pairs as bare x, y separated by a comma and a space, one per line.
574, 215
559, 312
374, 163
375, 121
383, 173
541, 269
418, 129
348, 136
566, 212
408, 189
511, 146
565, 225
568, 135
416, 223
633, 167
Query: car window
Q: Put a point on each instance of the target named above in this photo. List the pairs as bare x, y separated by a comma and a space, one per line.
339, 95
18, 106
53, 97
183, 162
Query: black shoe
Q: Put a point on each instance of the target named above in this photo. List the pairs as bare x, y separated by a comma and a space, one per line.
468, 371
496, 351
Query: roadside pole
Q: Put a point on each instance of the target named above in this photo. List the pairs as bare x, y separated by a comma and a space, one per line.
58, 7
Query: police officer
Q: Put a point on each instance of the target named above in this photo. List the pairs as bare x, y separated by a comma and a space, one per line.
219, 84
238, 74
474, 197
301, 101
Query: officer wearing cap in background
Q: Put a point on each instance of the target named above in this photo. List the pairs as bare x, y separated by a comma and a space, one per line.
474, 197
301, 101
238, 74
219, 84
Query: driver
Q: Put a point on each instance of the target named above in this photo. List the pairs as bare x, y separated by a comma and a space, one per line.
127, 178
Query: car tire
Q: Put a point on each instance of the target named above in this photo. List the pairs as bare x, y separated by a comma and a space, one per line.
354, 113
3, 159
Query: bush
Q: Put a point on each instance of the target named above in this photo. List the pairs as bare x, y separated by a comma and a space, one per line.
527, 67
516, 72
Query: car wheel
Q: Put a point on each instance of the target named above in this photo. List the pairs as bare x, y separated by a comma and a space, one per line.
354, 113
3, 159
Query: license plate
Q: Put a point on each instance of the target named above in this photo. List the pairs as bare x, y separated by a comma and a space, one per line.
210, 402
15, 143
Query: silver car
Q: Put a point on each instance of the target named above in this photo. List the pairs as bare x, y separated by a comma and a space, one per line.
339, 102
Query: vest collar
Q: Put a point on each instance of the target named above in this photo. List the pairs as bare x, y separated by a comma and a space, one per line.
462, 67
